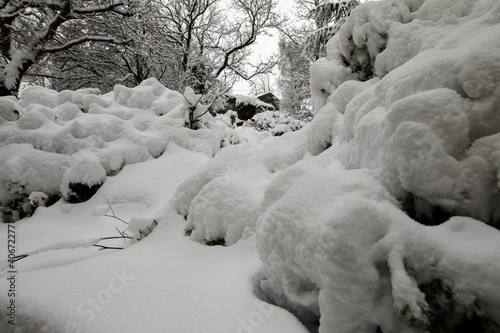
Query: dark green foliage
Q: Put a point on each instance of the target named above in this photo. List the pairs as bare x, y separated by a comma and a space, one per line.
447, 315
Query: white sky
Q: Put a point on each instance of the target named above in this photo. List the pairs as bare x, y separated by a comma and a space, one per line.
264, 47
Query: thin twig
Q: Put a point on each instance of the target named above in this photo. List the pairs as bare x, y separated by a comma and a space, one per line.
116, 237
108, 247
114, 215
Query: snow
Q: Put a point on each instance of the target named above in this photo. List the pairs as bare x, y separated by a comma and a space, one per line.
405, 96
360, 229
62, 130
221, 202
382, 214
158, 282
431, 97
249, 100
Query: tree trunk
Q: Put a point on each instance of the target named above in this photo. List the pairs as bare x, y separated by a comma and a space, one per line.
9, 83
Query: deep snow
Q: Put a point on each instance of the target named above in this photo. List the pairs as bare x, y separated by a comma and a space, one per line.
378, 216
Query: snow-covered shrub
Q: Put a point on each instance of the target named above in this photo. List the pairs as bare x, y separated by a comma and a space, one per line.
66, 143
335, 244
231, 137
138, 228
225, 208
229, 118
277, 122
431, 102
407, 103
8, 109
197, 114
83, 178
149, 95
221, 202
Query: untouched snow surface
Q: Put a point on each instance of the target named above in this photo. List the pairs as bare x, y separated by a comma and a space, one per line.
164, 283
381, 215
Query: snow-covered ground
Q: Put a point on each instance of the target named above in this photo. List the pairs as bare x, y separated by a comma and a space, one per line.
164, 283
379, 216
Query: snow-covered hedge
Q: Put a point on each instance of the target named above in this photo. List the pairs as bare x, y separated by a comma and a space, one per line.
406, 129
54, 142
335, 244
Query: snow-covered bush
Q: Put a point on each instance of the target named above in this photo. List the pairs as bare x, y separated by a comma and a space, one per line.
83, 178
196, 115
221, 203
431, 102
277, 122
406, 129
335, 244
66, 143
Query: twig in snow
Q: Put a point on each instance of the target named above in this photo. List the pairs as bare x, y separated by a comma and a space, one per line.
114, 215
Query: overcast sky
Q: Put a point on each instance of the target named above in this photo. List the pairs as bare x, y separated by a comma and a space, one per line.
264, 47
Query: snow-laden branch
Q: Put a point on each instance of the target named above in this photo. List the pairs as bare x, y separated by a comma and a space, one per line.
85, 39
31, 29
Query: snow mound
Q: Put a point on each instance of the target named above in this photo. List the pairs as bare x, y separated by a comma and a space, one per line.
149, 95
407, 89
52, 141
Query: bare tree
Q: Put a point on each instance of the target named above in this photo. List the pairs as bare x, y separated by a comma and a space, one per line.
31, 30
105, 65
203, 33
303, 43
262, 84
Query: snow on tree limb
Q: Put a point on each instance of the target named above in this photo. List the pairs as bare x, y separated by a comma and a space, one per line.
42, 22
85, 39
